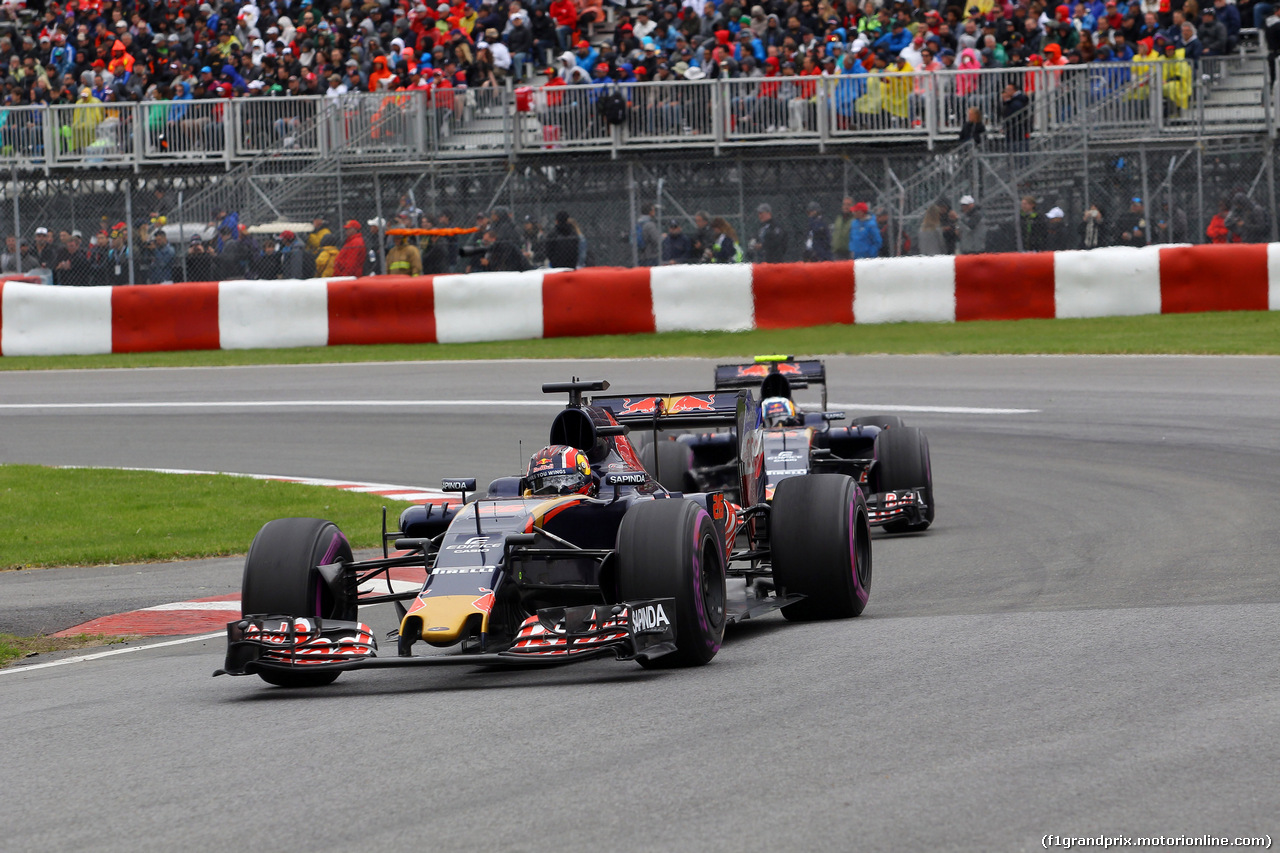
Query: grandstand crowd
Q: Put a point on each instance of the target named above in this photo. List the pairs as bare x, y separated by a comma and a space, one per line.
89, 54
93, 52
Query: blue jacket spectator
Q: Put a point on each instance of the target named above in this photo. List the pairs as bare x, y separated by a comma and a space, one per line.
1229, 16
587, 61
894, 40
162, 256
864, 233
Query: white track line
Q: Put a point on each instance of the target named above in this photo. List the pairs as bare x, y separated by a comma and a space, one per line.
941, 410
97, 655
276, 404
405, 404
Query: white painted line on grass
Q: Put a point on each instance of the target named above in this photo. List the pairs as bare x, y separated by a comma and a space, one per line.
387, 490
112, 653
941, 410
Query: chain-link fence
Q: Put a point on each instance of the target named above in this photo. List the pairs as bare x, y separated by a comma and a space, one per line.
1084, 197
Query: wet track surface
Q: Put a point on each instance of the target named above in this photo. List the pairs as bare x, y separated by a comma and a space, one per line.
1085, 642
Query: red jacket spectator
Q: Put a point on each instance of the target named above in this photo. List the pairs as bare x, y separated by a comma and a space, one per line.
350, 260
565, 13
379, 73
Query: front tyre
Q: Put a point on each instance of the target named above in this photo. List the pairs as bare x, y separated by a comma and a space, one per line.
280, 579
671, 549
820, 545
902, 463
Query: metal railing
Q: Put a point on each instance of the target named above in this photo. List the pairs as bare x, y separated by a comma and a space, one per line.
1113, 100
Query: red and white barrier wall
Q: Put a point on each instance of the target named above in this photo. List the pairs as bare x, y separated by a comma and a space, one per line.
40, 320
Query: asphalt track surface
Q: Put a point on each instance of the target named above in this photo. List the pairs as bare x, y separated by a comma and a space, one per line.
1085, 643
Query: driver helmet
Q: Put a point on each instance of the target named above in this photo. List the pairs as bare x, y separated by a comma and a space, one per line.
779, 411
559, 470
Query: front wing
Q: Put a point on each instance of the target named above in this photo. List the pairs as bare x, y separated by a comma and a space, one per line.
904, 504
554, 635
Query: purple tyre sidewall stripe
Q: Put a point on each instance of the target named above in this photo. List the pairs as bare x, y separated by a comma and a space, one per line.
858, 589
337, 542
699, 599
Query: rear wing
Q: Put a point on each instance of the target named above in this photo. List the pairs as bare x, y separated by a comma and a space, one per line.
797, 374
698, 410
669, 410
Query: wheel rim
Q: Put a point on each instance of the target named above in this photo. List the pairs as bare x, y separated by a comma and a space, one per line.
712, 598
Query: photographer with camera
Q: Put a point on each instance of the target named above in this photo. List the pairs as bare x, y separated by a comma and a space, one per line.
492, 254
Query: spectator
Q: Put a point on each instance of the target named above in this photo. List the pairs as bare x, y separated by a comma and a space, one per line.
840, 230
704, 237
1056, 238
498, 254
648, 237
500, 221
865, 239
352, 257
44, 248
973, 130
199, 261
817, 242
1093, 230
1131, 227
161, 258
1229, 16
971, 231
1016, 116
532, 242
520, 44
1246, 221
72, 269
676, 247
725, 248
404, 257
1032, 225
116, 265
327, 257
770, 244
1212, 34
1218, 232
266, 265
562, 248
932, 240
1272, 36
295, 261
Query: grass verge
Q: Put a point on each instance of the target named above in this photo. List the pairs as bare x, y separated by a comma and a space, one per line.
87, 516
1220, 333
13, 647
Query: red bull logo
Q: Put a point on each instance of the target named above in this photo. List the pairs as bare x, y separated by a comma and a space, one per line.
747, 370
643, 406
792, 369
677, 405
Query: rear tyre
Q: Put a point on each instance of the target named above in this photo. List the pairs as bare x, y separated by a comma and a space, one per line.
820, 545
902, 462
671, 549
882, 421
674, 464
280, 578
